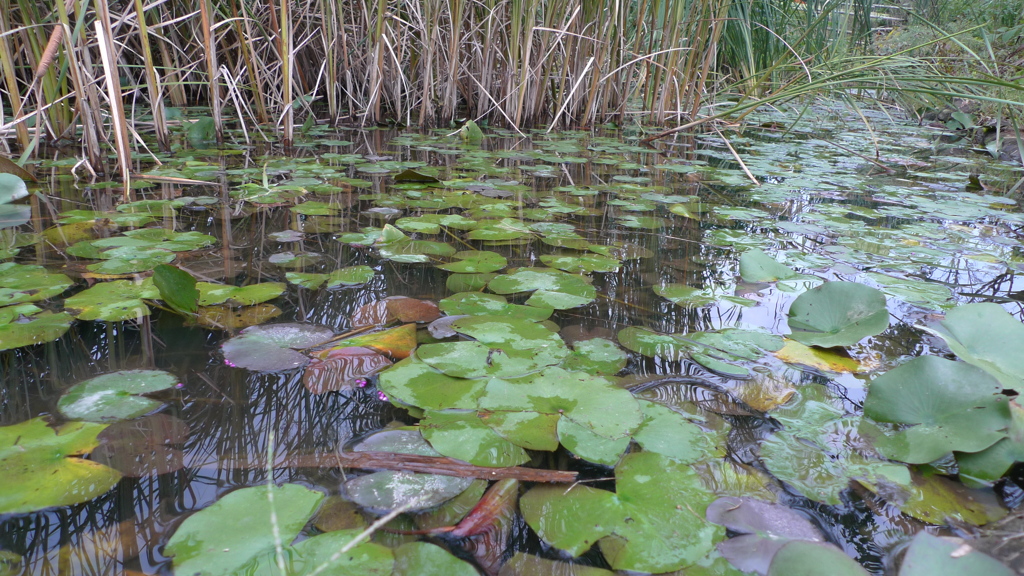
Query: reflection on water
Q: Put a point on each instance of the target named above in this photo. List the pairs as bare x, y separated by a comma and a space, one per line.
814, 205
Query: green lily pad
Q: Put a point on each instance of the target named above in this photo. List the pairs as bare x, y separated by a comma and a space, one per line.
415, 383
652, 344
41, 469
552, 288
932, 556
993, 462
926, 294
482, 303
212, 294
414, 251
477, 360
596, 356
461, 434
684, 295
637, 527
387, 490
668, 433
177, 288
23, 283
988, 337
581, 264
294, 260
949, 405
130, 259
209, 543
936, 499
321, 553
756, 266
514, 336
113, 301
273, 347
425, 559
502, 230
11, 188
803, 558
25, 325
115, 396
475, 262
314, 208
837, 314
527, 410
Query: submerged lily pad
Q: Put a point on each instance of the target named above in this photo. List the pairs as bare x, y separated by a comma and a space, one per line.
638, 527
41, 468
837, 314
475, 262
273, 347
803, 558
764, 528
115, 396
932, 556
684, 295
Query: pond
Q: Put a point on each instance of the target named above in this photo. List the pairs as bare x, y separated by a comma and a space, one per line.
692, 348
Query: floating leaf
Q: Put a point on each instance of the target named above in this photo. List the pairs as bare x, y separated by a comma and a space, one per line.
343, 368
482, 303
802, 558
406, 309
177, 288
638, 528
837, 314
527, 410
311, 281
212, 294
553, 288
936, 499
581, 264
425, 559
950, 405
992, 463
12, 187
396, 342
986, 336
113, 301
932, 556
41, 469
30, 326
596, 356
475, 262
321, 553
822, 359
756, 266
684, 295
115, 396
765, 528
208, 543
229, 318
273, 347
415, 383
23, 283
461, 434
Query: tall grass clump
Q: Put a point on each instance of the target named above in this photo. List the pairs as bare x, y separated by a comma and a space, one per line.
266, 66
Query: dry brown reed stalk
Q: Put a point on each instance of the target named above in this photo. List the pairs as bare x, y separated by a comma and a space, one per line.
105, 40
212, 70
287, 66
11, 77
156, 97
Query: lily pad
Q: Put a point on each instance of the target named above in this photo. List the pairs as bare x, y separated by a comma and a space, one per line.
26, 325
41, 468
482, 303
343, 368
527, 410
581, 264
837, 314
115, 396
949, 405
321, 553
756, 266
637, 528
803, 558
552, 288
209, 543
212, 294
932, 556
992, 463
988, 337
596, 356
425, 559
475, 262
273, 347
24, 283
177, 288
684, 295
461, 434
415, 383
764, 528
113, 301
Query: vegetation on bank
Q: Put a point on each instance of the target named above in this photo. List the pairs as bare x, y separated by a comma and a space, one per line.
101, 73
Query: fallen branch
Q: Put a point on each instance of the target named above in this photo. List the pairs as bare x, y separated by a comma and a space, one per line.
410, 463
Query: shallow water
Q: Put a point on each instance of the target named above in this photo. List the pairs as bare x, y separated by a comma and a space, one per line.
821, 209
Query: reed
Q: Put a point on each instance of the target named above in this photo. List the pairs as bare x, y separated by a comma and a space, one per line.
431, 62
